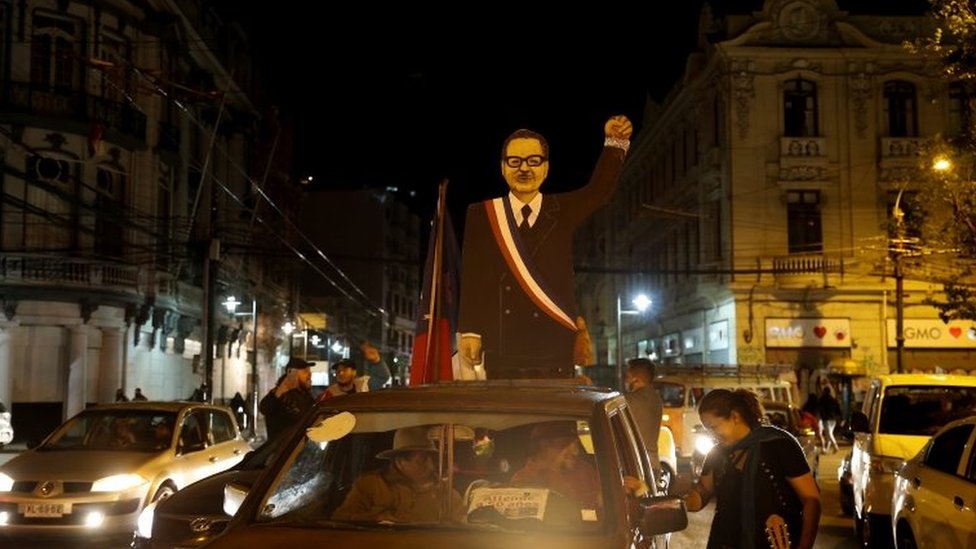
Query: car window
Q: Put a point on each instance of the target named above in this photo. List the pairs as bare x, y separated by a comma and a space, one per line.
220, 427
488, 471
626, 446
192, 434
946, 449
924, 409
672, 394
113, 429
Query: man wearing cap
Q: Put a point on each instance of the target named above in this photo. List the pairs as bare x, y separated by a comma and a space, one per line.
284, 405
346, 380
407, 490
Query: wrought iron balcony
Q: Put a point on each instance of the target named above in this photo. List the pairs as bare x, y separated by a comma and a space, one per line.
31, 99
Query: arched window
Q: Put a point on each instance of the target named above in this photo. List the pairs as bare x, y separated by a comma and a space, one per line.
900, 104
800, 108
960, 117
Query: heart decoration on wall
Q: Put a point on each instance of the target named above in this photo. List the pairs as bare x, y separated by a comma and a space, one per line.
819, 331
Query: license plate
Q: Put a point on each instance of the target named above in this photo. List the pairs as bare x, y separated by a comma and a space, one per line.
45, 510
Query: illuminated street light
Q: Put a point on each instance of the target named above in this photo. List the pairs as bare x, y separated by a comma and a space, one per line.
231, 304
641, 302
941, 163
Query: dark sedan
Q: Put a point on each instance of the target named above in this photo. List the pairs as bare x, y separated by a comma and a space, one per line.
195, 514
317, 491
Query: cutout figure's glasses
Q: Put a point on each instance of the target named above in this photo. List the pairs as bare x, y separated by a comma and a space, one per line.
534, 161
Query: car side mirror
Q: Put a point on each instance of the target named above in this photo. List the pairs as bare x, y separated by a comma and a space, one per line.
859, 422
234, 495
663, 514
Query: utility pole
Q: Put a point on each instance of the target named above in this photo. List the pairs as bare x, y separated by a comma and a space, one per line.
900, 246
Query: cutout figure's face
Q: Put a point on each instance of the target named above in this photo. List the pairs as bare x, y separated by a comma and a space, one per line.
524, 167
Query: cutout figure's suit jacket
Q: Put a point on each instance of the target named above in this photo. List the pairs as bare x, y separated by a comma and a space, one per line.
519, 339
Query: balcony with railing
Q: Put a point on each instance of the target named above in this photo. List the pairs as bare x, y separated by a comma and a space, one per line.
67, 272
27, 98
807, 269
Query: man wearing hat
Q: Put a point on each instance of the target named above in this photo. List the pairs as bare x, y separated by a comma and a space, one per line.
407, 490
284, 405
346, 380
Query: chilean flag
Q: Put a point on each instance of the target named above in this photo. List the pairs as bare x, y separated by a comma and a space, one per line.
433, 344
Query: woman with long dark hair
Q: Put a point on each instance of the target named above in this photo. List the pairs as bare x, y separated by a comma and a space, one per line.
766, 494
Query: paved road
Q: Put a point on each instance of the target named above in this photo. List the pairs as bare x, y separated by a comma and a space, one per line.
836, 530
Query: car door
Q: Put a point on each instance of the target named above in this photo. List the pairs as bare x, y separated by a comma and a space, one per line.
861, 450
632, 460
966, 529
223, 445
943, 506
191, 459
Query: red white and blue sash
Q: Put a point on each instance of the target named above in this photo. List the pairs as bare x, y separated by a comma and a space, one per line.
502, 223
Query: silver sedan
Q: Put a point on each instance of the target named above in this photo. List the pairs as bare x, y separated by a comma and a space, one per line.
93, 475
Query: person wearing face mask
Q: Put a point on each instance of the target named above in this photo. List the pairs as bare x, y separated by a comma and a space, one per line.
766, 494
407, 490
291, 397
517, 313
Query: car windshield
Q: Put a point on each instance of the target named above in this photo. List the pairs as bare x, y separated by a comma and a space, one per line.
672, 394
114, 430
392, 470
923, 410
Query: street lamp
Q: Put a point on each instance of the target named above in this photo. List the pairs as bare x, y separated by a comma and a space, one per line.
231, 304
641, 302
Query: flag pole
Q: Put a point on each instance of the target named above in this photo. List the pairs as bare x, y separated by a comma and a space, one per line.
433, 329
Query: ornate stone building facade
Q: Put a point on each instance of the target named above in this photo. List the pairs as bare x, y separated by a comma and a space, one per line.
128, 131
756, 205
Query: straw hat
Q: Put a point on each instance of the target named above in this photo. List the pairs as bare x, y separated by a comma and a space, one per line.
409, 439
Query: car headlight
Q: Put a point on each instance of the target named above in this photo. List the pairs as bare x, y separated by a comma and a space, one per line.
117, 483
145, 522
704, 444
885, 465
6, 483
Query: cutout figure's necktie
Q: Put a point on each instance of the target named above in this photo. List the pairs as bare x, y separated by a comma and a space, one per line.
526, 212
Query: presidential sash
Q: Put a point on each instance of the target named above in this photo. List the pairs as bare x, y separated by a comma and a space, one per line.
502, 224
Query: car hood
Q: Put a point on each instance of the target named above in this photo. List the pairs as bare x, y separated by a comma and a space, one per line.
205, 497
263, 537
77, 465
899, 446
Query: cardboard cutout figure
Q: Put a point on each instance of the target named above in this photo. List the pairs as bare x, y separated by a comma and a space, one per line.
518, 311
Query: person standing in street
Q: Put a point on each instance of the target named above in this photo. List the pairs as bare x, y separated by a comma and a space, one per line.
646, 405
764, 488
346, 380
375, 370
139, 396
829, 415
284, 405
120, 396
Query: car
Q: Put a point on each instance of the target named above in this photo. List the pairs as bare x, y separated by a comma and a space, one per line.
935, 491
92, 476
667, 453
303, 498
195, 514
901, 412
846, 484
779, 414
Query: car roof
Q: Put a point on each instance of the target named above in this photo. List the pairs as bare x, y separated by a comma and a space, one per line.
927, 379
158, 406
552, 396
722, 381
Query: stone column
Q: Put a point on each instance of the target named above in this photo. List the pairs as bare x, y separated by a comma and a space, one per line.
6, 381
110, 364
75, 395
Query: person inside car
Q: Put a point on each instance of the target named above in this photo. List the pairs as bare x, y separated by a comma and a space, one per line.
406, 491
554, 462
122, 435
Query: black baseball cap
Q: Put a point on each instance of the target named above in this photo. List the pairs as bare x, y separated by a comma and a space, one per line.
344, 363
298, 364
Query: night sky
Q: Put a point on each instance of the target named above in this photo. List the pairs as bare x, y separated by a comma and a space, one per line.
407, 97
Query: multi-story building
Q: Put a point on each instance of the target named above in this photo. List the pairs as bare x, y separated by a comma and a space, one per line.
128, 133
756, 203
373, 239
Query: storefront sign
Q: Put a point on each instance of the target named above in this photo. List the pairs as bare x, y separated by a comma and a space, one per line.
925, 333
808, 332
718, 335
